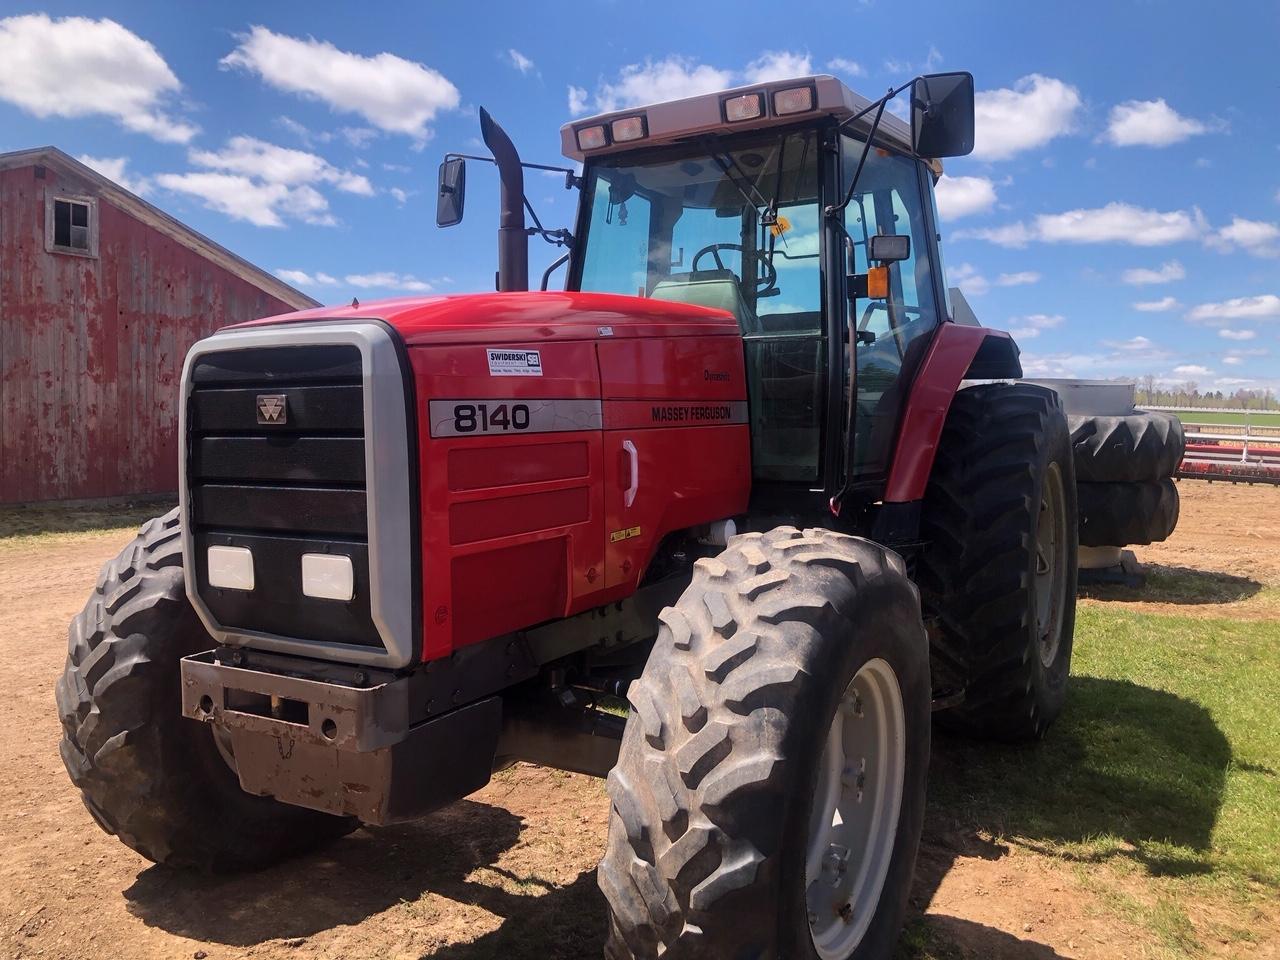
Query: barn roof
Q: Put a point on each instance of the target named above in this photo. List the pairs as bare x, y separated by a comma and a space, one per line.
153, 216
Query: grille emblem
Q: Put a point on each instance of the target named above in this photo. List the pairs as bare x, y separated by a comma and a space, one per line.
273, 408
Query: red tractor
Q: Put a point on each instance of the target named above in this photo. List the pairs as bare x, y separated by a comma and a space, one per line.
736, 473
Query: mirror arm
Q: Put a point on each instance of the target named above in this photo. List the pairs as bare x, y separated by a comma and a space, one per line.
878, 106
571, 176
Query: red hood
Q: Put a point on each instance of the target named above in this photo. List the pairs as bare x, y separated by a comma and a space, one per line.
523, 317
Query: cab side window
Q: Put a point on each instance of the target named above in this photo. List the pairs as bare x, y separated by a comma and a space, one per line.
893, 332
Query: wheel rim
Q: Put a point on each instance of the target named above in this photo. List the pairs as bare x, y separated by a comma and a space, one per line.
855, 811
1051, 566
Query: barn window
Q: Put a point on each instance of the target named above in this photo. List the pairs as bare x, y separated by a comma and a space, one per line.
71, 225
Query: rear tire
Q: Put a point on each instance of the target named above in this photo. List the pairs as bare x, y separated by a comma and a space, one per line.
148, 775
1145, 445
714, 795
999, 509
1120, 514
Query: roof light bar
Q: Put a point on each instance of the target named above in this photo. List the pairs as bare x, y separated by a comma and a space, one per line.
793, 100
748, 106
626, 129
593, 137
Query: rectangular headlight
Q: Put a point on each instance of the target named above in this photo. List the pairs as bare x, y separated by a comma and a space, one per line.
231, 568
627, 129
792, 100
748, 106
328, 576
593, 137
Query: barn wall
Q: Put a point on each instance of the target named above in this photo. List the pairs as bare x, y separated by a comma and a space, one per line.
91, 349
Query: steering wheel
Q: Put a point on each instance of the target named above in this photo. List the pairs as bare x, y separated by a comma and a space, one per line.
767, 282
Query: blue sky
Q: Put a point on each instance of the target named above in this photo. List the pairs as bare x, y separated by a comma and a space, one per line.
1121, 212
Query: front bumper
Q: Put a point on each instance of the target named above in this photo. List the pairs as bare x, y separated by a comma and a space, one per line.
350, 743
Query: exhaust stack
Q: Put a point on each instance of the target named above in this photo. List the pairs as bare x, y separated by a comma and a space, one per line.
513, 242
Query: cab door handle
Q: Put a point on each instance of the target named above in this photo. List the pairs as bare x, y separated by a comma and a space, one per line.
633, 458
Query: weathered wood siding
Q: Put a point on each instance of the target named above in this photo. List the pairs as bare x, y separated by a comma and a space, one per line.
91, 349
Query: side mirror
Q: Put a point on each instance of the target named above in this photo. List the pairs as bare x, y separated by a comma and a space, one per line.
942, 115
889, 248
452, 192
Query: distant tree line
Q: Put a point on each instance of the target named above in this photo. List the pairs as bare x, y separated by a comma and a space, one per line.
1163, 394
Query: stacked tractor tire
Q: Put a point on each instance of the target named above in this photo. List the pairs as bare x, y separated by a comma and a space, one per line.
1124, 476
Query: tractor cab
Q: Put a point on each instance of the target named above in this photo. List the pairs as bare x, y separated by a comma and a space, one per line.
805, 211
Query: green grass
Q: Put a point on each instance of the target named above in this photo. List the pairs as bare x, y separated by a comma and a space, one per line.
1255, 418
1166, 757
25, 524
1164, 769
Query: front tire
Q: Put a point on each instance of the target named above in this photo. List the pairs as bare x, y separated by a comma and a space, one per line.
149, 776
722, 795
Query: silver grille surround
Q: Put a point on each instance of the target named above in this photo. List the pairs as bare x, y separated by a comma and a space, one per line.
389, 500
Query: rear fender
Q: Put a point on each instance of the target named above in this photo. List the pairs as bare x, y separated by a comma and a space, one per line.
958, 353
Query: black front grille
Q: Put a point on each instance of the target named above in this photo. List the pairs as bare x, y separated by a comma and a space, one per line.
281, 488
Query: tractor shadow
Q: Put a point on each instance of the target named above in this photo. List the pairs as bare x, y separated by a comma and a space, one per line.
1178, 585
1127, 774
356, 878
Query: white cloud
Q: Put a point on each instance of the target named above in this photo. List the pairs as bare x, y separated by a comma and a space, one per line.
1119, 223
778, 65
387, 280
243, 198
1028, 327
961, 196
399, 194
1149, 123
1263, 307
1142, 276
1020, 279
307, 136
1163, 305
1232, 360
1114, 223
654, 81
676, 77
850, 68
1030, 114
116, 169
1256, 237
393, 94
1228, 334
1192, 370
266, 161
300, 278
1233, 381
1037, 321
1133, 343
77, 67
1009, 235
520, 61
967, 278
930, 63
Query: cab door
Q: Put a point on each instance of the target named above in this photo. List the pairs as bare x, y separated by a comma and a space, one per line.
892, 333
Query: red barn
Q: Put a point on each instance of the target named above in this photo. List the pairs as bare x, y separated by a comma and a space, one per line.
101, 294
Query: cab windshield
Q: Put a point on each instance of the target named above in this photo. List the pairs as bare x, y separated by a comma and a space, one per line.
731, 225
734, 224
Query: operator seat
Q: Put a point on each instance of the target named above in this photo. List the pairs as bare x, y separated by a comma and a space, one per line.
709, 288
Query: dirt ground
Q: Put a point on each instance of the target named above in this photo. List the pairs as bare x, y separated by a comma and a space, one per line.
506, 873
